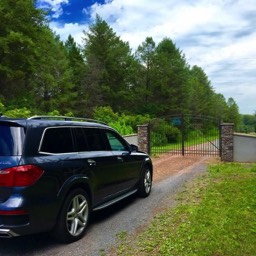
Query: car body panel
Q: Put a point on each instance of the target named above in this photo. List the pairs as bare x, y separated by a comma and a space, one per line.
107, 175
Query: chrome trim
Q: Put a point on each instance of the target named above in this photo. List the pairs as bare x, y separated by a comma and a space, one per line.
66, 118
7, 233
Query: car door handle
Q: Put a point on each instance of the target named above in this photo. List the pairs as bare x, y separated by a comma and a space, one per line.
120, 159
91, 162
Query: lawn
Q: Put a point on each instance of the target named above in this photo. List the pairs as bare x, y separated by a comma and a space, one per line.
216, 215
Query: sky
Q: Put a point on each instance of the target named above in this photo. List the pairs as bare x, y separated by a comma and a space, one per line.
217, 35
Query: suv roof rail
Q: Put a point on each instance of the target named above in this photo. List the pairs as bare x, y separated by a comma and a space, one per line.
65, 118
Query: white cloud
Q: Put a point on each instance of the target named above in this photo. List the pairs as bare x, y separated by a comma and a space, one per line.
217, 35
54, 5
74, 29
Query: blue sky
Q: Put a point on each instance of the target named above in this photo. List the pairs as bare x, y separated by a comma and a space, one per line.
218, 35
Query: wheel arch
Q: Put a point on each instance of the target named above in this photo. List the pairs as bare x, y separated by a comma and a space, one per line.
147, 163
75, 183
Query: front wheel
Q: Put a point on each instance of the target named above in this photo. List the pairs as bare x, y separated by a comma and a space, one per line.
74, 217
145, 183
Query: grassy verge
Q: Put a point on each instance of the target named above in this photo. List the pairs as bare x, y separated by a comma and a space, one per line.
216, 216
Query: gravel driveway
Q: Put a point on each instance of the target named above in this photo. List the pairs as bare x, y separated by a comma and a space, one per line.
130, 216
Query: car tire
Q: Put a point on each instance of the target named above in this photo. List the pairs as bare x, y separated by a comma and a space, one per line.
145, 183
73, 218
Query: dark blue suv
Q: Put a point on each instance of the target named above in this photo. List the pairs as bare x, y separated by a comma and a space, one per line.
54, 171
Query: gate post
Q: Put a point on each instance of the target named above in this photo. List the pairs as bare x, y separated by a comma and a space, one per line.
143, 138
227, 130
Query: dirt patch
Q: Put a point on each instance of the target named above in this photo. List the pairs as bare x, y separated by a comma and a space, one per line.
167, 165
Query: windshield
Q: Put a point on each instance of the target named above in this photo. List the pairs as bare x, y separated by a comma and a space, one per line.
11, 140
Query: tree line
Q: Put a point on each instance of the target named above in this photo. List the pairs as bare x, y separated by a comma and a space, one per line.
39, 73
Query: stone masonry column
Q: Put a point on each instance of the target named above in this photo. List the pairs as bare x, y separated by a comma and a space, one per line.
143, 138
227, 130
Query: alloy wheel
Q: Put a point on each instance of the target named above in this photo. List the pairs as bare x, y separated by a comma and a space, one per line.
77, 215
147, 181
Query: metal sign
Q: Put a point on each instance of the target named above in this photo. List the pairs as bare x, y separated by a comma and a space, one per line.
176, 121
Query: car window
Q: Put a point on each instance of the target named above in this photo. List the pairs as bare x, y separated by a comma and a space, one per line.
94, 139
11, 140
81, 141
115, 142
57, 140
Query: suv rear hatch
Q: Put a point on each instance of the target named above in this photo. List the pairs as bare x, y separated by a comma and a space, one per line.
12, 174
11, 145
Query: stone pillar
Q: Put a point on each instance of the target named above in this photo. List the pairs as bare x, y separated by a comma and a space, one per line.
143, 138
227, 131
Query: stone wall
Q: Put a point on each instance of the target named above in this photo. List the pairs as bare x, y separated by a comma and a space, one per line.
143, 138
227, 144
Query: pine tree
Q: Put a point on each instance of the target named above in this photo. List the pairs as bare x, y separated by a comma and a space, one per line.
20, 26
109, 65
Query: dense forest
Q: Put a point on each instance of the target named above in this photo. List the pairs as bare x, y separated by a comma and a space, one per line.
41, 74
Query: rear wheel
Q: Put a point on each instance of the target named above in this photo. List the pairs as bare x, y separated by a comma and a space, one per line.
145, 183
74, 217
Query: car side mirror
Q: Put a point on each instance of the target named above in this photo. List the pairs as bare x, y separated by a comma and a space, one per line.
134, 148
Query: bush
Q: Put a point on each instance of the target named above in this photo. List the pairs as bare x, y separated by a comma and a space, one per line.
105, 114
122, 127
173, 134
18, 112
134, 121
163, 132
158, 139
125, 124
2, 108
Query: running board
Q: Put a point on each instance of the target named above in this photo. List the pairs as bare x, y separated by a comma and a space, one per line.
102, 206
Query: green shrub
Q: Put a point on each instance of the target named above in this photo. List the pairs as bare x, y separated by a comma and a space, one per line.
158, 139
57, 113
2, 108
125, 124
53, 113
163, 133
105, 114
173, 134
122, 127
18, 112
136, 120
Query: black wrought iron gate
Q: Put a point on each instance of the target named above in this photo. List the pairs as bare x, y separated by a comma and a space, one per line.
185, 134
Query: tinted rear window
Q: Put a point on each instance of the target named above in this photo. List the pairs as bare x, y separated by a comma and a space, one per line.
11, 140
57, 140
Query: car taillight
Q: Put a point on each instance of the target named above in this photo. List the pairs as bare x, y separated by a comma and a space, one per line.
20, 176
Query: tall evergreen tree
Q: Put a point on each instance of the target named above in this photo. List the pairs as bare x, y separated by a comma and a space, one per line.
201, 100
52, 81
220, 107
146, 54
171, 88
109, 61
78, 70
20, 26
233, 112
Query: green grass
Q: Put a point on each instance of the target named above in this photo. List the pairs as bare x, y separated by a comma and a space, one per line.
216, 215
